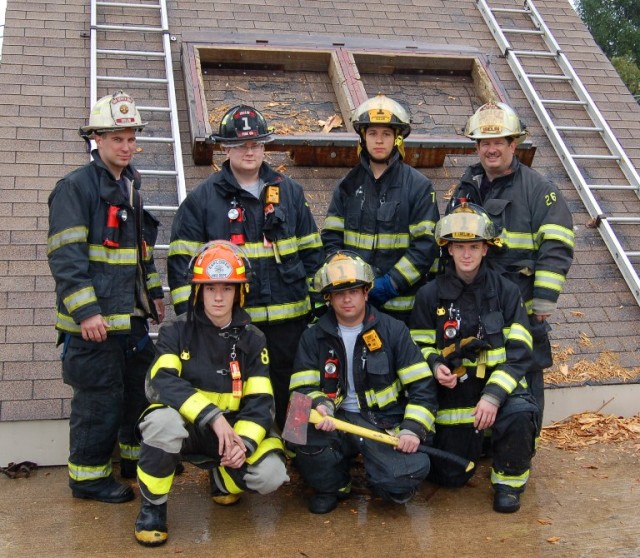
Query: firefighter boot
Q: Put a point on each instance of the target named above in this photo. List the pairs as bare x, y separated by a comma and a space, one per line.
506, 500
104, 490
218, 496
151, 524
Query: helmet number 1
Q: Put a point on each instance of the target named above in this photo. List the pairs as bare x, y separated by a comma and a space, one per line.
246, 123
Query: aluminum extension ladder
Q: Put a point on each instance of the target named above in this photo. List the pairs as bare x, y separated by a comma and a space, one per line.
138, 45
570, 140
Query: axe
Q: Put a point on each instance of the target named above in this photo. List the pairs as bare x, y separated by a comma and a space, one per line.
300, 414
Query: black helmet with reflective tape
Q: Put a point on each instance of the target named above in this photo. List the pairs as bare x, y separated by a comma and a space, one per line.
243, 123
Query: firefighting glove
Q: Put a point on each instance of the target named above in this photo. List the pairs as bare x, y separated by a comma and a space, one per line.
382, 291
468, 348
273, 223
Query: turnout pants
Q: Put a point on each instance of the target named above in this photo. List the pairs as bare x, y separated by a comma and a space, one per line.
167, 437
108, 398
282, 342
325, 462
512, 441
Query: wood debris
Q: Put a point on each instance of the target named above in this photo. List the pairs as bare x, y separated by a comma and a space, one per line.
585, 429
604, 369
334, 121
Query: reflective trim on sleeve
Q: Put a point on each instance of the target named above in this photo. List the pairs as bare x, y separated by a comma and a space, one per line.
258, 385
420, 414
549, 280
304, 378
250, 430
167, 360
417, 371
503, 380
181, 247
334, 223
552, 231
71, 235
78, 299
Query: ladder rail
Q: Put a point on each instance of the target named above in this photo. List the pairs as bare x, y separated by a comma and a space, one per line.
567, 158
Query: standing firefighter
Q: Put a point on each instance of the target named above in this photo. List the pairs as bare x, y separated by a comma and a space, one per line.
266, 213
384, 210
472, 327
363, 367
537, 226
100, 254
211, 396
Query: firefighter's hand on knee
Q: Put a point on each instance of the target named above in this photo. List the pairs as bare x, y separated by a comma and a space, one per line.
485, 414
94, 328
445, 377
408, 443
230, 445
327, 424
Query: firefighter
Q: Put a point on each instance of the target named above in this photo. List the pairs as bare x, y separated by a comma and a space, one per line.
472, 327
100, 254
361, 366
265, 212
210, 395
385, 210
537, 227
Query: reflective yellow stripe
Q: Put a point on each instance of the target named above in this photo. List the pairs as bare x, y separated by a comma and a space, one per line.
159, 486
115, 323
193, 406
129, 452
517, 332
309, 241
167, 360
423, 228
180, 294
395, 241
549, 280
258, 385
113, 256
555, 232
515, 481
229, 484
304, 378
184, 248
363, 241
250, 430
334, 223
385, 396
502, 379
406, 268
451, 417
268, 445
417, 371
517, 241
68, 236
400, 303
80, 298
420, 414
153, 281
89, 472
276, 312
423, 336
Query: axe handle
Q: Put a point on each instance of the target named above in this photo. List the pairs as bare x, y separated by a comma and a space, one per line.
315, 417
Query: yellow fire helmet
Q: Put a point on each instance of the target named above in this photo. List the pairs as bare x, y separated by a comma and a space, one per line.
468, 222
343, 270
112, 113
495, 120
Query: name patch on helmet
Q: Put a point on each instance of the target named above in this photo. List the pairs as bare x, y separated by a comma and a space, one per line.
219, 269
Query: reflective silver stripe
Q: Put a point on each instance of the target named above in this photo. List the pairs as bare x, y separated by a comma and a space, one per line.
417, 371
129, 452
407, 270
68, 236
184, 248
113, 256
455, 416
80, 298
420, 414
334, 223
87, 473
423, 228
304, 378
400, 303
309, 241
502, 379
181, 294
276, 312
556, 232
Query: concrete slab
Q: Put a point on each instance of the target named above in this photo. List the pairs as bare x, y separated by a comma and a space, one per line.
587, 502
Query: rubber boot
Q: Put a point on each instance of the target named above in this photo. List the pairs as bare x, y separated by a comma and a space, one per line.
151, 524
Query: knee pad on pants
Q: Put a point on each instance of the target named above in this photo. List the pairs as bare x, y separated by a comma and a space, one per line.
267, 475
164, 429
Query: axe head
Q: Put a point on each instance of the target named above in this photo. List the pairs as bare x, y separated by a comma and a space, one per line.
295, 426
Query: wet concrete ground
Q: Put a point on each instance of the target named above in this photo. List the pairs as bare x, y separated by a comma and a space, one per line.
587, 502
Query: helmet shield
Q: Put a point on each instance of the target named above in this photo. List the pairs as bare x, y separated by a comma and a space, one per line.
466, 223
243, 123
495, 120
112, 113
382, 111
343, 271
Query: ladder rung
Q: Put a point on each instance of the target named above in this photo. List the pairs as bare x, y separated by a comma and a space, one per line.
596, 157
150, 139
148, 172
131, 78
128, 5
511, 10
105, 27
624, 220
523, 31
161, 208
538, 53
154, 109
632, 254
145, 53
549, 77
613, 187
562, 102
578, 129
